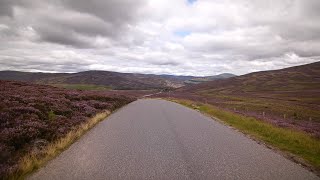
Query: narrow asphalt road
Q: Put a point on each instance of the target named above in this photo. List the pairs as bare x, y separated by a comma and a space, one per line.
157, 139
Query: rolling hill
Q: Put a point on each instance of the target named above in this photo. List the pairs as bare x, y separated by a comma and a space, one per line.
289, 80
102, 79
286, 97
199, 80
113, 80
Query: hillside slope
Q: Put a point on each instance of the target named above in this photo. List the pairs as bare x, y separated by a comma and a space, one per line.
298, 78
287, 97
113, 80
199, 80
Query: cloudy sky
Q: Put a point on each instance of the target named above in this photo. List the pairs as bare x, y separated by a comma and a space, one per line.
189, 37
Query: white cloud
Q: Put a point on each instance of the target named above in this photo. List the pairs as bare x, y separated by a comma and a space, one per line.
205, 37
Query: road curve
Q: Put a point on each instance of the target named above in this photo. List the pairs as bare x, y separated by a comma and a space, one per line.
157, 139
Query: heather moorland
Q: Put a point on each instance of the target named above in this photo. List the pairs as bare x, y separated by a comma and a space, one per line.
33, 116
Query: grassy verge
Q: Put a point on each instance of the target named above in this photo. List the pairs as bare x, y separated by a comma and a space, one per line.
296, 144
293, 107
82, 86
31, 162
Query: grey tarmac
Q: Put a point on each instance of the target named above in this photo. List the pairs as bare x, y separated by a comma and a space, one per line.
158, 139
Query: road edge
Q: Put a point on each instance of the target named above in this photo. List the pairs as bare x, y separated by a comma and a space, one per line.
33, 163
294, 158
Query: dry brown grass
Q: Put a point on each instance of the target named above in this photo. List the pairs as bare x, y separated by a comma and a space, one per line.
32, 161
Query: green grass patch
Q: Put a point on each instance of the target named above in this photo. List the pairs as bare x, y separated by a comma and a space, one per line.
291, 141
82, 86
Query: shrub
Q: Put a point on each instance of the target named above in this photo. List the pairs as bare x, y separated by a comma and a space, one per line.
30, 112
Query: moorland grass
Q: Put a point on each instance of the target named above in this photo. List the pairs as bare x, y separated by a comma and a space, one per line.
294, 108
32, 162
82, 86
294, 142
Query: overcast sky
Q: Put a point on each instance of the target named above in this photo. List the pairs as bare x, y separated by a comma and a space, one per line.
182, 37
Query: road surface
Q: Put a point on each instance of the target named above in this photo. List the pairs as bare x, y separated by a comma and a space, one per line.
157, 139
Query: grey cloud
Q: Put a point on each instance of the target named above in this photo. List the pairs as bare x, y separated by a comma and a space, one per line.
310, 8
298, 30
62, 37
73, 22
114, 11
6, 7
81, 23
44, 63
89, 19
165, 63
238, 48
293, 20
79, 31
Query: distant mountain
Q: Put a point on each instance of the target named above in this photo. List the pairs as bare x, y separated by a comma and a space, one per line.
174, 77
114, 80
298, 78
199, 80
